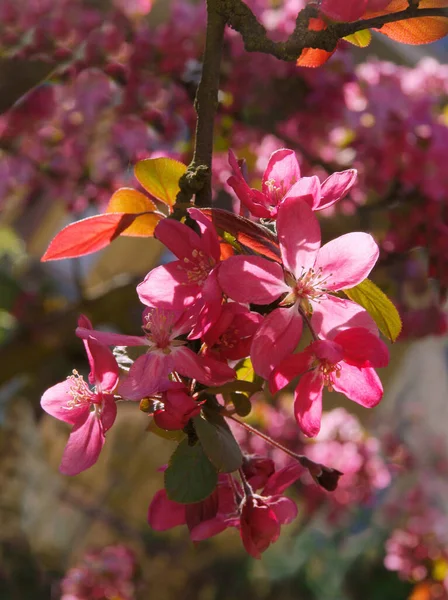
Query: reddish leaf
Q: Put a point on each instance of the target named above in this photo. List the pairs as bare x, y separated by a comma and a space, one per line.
314, 57
421, 30
87, 235
247, 233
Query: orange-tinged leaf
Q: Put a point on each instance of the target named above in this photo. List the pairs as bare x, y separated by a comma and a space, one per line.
314, 57
420, 30
160, 177
132, 201
86, 236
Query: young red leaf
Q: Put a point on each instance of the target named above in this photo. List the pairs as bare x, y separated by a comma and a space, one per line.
247, 233
87, 235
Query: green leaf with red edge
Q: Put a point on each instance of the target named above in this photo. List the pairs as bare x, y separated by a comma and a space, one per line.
378, 305
160, 177
361, 39
86, 236
131, 201
251, 235
190, 476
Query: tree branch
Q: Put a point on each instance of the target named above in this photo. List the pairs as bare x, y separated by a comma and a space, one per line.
197, 179
242, 19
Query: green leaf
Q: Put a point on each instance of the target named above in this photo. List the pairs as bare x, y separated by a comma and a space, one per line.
378, 305
360, 38
160, 177
218, 442
244, 370
190, 476
241, 403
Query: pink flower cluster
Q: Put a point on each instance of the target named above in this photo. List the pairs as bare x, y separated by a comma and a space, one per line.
207, 310
102, 573
257, 516
417, 549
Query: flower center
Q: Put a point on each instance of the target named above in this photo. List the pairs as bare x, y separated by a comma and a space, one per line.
328, 371
79, 391
275, 192
309, 286
197, 267
158, 329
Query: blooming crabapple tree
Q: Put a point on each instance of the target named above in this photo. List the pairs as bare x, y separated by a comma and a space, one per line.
252, 302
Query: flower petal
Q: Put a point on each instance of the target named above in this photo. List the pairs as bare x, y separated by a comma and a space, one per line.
307, 189
283, 170
208, 305
203, 368
276, 337
84, 445
252, 279
291, 367
178, 238
363, 386
168, 287
209, 237
54, 402
285, 509
108, 411
332, 314
308, 403
298, 235
335, 187
362, 348
347, 260
148, 375
165, 514
282, 479
103, 366
109, 338
211, 527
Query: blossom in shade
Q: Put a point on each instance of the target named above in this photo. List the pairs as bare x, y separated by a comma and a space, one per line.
149, 373
176, 407
344, 364
191, 281
305, 283
91, 411
282, 179
257, 516
231, 336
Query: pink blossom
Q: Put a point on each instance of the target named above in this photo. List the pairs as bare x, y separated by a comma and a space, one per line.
258, 517
231, 336
176, 408
92, 412
149, 373
282, 180
309, 276
344, 364
190, 281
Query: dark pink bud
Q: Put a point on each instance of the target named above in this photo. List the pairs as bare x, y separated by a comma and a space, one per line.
259, 525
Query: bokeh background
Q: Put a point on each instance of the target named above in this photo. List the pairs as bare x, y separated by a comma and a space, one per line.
87, 88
